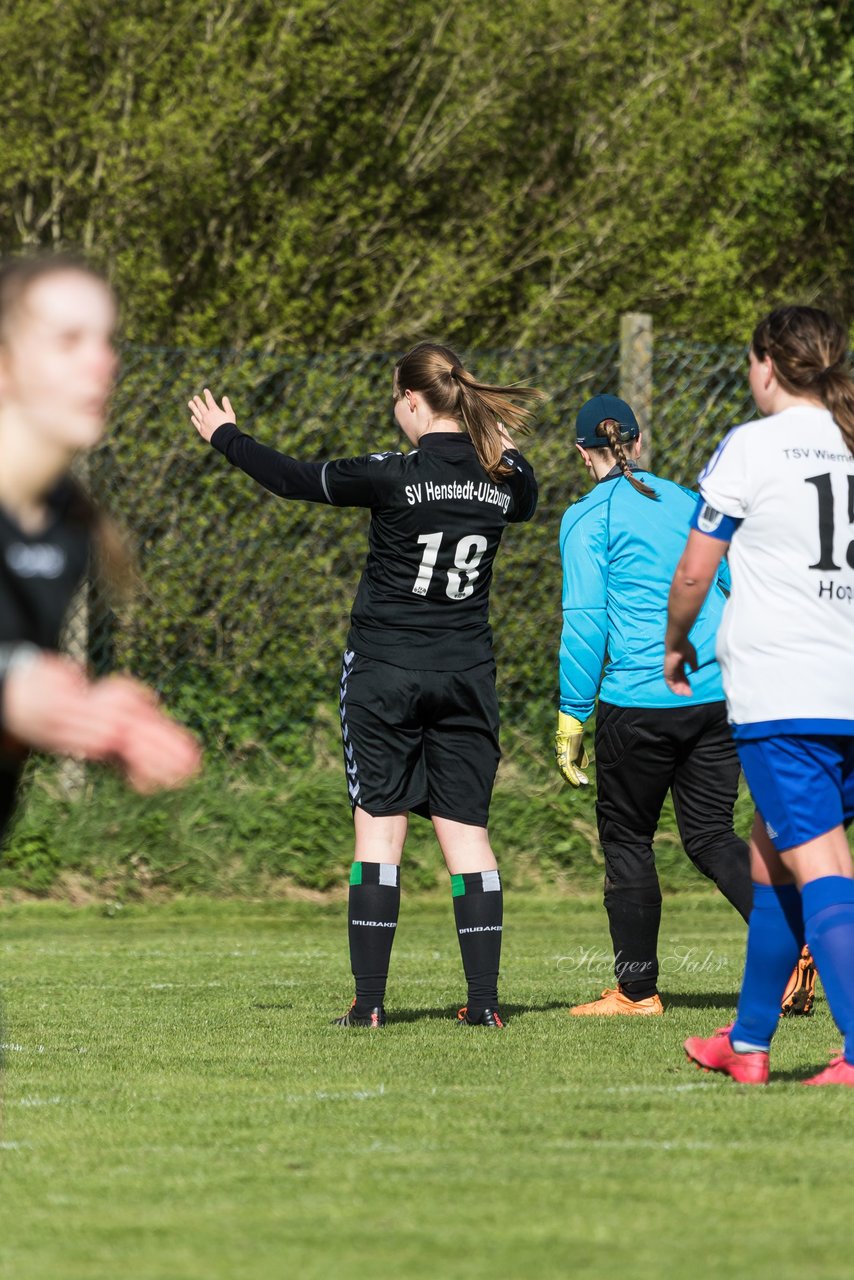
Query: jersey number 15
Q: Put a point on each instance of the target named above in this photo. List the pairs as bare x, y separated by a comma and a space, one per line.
824, 489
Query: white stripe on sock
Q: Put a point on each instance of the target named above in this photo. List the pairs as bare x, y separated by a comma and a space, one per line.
742, 1046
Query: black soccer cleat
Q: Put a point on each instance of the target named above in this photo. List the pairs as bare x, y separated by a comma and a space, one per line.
480, 1018
373, 1018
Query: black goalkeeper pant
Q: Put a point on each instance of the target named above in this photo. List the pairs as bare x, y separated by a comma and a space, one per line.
641, 754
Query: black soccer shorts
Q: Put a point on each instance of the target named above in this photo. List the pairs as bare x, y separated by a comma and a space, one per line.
422, 742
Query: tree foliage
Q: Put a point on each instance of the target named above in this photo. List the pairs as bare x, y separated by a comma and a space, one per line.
331, 173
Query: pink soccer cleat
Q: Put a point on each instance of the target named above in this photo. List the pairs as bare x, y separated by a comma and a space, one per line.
717, 1054
839, 1072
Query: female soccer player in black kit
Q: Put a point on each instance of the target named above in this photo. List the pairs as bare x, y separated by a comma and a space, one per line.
419, 713
56, 373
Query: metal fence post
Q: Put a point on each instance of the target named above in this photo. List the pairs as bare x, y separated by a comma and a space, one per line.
636, 374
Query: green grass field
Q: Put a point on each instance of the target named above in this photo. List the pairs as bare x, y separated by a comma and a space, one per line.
176, 1106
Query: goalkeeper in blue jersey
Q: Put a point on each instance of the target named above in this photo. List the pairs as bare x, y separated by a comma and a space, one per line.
620, 545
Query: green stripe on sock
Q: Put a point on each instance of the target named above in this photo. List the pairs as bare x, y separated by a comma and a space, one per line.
458, 887
356, 873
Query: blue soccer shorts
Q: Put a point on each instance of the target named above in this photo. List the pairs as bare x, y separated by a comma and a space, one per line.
803, 786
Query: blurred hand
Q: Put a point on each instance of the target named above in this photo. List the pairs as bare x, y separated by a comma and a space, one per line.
676, 658
206, 414
45, 705
50, 705
569, 750
149, 748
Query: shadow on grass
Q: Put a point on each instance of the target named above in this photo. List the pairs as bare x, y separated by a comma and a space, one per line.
672, 1000
700, 999
509, 1011
799, 1075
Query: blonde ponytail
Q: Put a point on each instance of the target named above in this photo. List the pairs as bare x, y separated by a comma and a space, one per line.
481, 408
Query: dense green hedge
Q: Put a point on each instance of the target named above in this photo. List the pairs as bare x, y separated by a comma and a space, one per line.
241, 615
242, 612
315, 174
263, 828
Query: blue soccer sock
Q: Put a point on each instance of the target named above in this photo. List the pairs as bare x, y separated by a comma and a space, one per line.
774, 941
829, 919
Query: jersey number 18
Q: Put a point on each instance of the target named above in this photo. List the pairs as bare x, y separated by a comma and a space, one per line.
467, 556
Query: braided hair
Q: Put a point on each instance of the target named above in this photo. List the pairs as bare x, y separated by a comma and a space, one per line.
610, 429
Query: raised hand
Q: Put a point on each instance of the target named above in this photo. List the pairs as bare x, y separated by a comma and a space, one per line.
149, 749
206, 415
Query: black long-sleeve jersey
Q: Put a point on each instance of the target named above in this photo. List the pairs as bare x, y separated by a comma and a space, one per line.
39, 574
436, 522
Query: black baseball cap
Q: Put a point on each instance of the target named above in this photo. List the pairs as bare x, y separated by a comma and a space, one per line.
596, 411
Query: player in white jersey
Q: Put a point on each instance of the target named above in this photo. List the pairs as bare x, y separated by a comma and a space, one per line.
779, 493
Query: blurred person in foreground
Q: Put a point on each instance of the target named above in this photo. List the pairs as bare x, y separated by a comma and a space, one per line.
57, 366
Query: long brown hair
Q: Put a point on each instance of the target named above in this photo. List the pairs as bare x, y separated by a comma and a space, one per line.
113, 562
480, 408
610, 429
808, 348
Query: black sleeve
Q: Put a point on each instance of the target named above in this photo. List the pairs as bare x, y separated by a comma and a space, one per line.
353, 482
523, 486
277, 472
344, 482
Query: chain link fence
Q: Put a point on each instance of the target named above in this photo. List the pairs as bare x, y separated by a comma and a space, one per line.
240, 612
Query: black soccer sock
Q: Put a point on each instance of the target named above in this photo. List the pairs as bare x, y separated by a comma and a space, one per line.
479, 912
374, 906
634, 916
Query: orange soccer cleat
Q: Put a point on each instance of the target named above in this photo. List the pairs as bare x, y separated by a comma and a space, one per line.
717, 1054
614, 1001
800, 989
840, 1071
